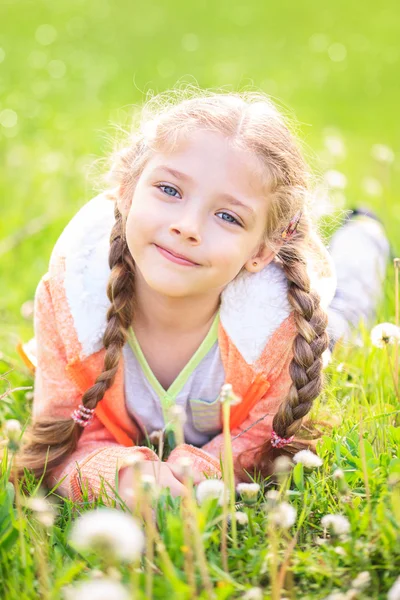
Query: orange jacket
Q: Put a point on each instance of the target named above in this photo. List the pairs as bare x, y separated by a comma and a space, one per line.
255, 335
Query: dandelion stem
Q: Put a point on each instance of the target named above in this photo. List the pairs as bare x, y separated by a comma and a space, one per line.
188, 538
394, 375
397, 318
364, 467
19, 510
149, 544
229, 477
201, 556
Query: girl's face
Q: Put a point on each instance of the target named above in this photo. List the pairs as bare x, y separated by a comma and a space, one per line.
205, 201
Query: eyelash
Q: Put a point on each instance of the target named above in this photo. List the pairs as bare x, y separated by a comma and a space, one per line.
234, 222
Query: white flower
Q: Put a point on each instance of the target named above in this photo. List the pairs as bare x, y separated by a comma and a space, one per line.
335, 145
326, 358
177, 414
211, 488
254, 593
336, 596
248, 491
372, 186
283, 515
382, 153
384, 333
335, 179
338, 523
110, 531
241, 518
308, 459
338, 474
362, 580
99, 589
43, 510
12, 429
394, 592
282, 464
228, 395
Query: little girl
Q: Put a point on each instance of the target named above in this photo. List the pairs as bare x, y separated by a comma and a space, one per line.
201, 266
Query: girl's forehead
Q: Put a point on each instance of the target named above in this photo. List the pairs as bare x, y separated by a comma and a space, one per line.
221, 157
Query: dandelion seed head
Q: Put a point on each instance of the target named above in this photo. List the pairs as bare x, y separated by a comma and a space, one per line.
308, 459
248, 491
98, 589
241, 518
282, 464
339, 524
338, 474
209, 489
362, 580
42, 509
394, 592
12, 429
109, 531
283, 515
384, 333
254, 593
382, 153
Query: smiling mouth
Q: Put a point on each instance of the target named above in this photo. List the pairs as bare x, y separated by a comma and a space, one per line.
175, 257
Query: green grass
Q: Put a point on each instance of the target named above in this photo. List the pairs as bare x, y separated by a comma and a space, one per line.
67, 94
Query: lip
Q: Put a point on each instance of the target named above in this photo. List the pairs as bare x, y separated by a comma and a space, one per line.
176, 258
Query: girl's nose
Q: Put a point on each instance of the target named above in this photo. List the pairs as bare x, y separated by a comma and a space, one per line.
186, 229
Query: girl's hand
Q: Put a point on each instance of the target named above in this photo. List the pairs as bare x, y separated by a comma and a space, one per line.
161, 472
197, 475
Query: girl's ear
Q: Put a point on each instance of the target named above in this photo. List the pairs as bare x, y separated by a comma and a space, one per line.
260, 260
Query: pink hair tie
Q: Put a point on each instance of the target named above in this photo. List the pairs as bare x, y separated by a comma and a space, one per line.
82, 415
279, 442
291, 228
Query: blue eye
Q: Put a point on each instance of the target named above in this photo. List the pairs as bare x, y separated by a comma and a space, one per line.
234, 221
168, 187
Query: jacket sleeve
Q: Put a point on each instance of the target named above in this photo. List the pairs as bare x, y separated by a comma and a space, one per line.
98, 456
265, 409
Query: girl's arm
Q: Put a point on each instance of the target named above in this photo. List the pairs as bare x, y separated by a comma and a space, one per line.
97, 456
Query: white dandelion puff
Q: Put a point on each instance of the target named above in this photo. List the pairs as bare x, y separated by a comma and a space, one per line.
382, 153
254, 593
42, 509
108, 531
248, 491
209, 489
339, 524
384, 333
283, 515
98, 589
12, 429
394, 592
228, 395
241, 518
335, 179
308, 459
362, 580
338, 474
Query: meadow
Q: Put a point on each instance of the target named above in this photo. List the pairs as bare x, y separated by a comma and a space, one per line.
71, 74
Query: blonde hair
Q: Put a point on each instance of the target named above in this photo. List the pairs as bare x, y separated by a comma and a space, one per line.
251, 120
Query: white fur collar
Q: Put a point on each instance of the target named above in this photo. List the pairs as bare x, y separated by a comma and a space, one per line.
252, 306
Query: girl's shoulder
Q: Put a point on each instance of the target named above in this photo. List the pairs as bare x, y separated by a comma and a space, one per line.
255, 306
78, 274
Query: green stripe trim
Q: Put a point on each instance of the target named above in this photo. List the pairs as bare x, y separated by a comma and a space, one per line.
168, 397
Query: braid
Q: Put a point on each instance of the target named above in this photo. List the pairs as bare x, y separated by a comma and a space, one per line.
305, 368
311, 341
48, 442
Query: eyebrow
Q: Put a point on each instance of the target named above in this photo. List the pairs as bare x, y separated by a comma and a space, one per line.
228, 197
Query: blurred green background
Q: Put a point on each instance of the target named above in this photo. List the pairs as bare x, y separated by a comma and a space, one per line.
70, 69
